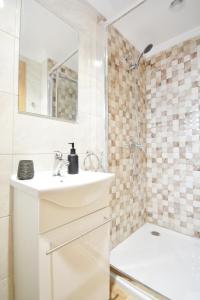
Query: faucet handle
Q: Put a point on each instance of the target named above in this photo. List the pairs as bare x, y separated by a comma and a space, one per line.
58, 155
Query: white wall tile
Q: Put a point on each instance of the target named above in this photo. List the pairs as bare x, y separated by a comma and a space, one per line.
41, 135
36, 138
4, 289
4, 246
42, 162
16, 67
6, 123
97, 134
8, 16
17, 23
6, 62
5, 171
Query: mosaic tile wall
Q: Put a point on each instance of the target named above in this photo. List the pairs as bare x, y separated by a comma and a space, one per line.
67, 93
127, 110
173, 138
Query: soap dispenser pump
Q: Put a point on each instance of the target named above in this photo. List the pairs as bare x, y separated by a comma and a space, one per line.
73, 161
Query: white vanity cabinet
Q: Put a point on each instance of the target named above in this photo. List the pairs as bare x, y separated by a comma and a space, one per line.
60, 252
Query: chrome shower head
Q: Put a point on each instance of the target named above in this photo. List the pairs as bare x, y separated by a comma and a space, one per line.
145, 51
148, 48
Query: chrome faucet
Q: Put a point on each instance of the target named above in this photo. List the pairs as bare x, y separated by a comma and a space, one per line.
59, 163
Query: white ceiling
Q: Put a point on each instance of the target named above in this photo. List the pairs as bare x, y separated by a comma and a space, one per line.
152, 22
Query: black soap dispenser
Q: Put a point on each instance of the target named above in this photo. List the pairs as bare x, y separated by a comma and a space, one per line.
73, 161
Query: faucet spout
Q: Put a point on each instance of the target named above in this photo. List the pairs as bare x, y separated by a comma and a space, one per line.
59, 163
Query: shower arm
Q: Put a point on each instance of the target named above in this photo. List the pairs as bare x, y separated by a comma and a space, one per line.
138, 61
146, 50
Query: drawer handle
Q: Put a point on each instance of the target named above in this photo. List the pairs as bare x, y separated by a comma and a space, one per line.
78, 237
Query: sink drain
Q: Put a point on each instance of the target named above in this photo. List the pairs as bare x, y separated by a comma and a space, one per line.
155, 233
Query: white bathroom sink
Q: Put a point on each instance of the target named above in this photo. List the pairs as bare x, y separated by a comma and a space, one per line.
69, 190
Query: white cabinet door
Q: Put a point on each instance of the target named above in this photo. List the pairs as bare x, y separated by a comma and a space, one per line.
79, 259
80, 270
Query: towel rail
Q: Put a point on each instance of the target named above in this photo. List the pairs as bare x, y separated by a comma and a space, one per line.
78, 237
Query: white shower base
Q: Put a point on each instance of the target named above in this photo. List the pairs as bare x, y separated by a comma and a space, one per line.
168, 264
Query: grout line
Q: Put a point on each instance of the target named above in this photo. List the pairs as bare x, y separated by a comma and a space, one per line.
4, 278
12, 155
41, 153
15, 16
8, 33
7, 216
7, 93
15, 71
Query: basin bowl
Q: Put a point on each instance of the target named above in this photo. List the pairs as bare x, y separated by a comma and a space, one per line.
69, 190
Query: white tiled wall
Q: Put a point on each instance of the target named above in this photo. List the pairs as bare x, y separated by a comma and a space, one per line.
4, 288
7, 56
7, 60
28, 137
6, 122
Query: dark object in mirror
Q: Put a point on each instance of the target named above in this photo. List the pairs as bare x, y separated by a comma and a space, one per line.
25, 170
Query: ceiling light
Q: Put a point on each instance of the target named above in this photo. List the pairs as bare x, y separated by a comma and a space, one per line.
176, 5
1, 3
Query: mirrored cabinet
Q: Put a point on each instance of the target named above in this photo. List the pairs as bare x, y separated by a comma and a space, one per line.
48, 66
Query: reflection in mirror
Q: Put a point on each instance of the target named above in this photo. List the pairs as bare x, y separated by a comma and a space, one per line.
48, 67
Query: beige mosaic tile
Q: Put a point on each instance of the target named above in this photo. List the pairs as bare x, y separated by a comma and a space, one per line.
158, 106
173, 138
127, 110
64, 104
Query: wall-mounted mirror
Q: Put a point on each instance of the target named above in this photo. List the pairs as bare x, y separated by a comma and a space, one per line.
48, 66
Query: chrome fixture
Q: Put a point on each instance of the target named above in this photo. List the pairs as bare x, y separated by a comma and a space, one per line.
155, 233
59, 163
90, 157
146, 50
136, 145
78, 237
176, 5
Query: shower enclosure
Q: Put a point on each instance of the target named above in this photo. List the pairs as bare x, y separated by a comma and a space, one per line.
63, 88
153, 148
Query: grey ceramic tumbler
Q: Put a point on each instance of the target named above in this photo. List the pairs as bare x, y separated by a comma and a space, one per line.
25, 170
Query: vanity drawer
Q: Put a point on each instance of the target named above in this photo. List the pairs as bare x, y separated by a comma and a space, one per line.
52, 215
64, 234
80, 252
